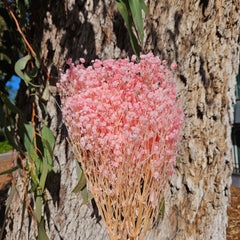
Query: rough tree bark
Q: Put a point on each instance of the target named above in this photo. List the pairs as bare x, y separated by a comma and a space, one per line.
203, 38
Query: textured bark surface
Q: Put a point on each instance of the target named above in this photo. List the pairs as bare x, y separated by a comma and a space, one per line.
203, 38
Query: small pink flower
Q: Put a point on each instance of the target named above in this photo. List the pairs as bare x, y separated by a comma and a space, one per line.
82, 60
134, 58
69, 61
173, 66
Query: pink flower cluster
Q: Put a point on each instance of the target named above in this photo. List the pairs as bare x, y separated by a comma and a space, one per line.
123, 110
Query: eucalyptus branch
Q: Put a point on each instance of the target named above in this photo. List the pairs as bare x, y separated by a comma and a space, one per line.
26, 41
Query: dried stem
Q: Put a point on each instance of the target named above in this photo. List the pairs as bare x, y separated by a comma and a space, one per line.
126, 208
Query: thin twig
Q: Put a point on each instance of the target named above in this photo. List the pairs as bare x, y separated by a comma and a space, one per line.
25, 40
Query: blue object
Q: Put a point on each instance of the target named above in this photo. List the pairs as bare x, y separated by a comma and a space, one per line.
13, 86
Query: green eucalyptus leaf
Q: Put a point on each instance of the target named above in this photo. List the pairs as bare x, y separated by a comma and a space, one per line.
90, 196
10, 170
125, 11
134, 43
20, 66
42, 235
48, 141
48, 154
32, 150
37, 63
22, 62
136, 10
144, 7
44, 173
28, 140
46, 94
39, 205
38, 168
36, 94
47, 134
54, 170
34, 185
78, 169
82, 183
34, 85
34, 179
86, 196
32, 73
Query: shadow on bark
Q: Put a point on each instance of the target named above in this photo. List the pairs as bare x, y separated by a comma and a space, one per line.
3, 199
122, 36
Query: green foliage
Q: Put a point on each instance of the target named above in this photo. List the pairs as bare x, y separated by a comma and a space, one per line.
5, 146
36, 146
82, 182
38, 151
42, 234
20, 66
82, 185
10, 170
131, 11
39, 146
46, 94
27, 69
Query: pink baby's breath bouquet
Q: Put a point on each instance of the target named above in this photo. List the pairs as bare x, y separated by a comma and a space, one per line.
125, 122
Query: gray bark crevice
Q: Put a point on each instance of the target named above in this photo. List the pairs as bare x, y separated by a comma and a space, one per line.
202, 37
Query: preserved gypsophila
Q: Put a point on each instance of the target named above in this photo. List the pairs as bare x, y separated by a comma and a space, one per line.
125, 122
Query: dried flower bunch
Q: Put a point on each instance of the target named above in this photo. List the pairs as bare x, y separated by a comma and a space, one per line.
124, 121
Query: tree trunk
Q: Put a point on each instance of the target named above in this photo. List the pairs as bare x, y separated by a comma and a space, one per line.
202, 37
